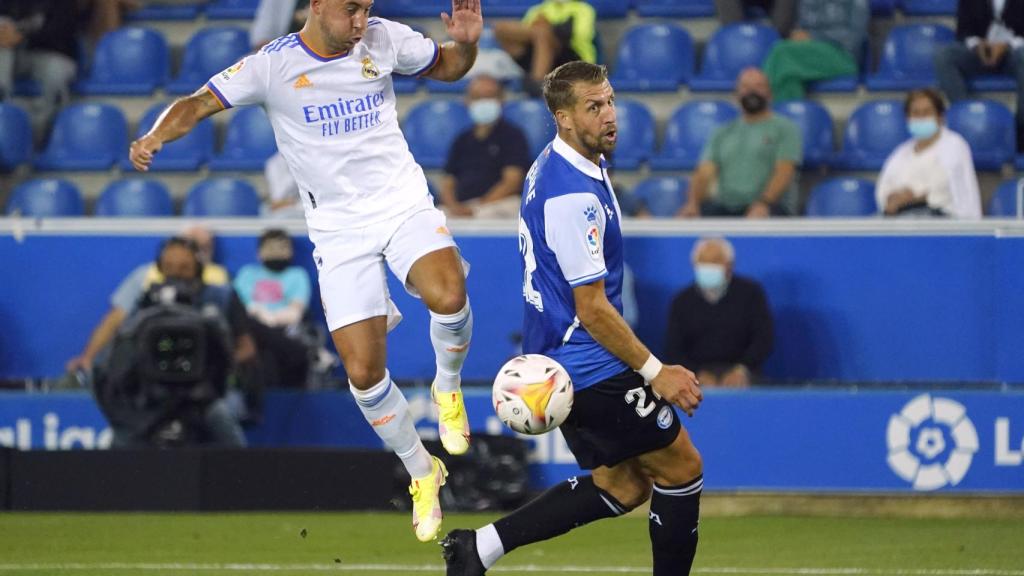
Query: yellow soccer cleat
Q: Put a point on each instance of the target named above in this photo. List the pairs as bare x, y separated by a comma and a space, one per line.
452, 423
426, 501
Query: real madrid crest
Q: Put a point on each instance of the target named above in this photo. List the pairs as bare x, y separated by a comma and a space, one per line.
370, 71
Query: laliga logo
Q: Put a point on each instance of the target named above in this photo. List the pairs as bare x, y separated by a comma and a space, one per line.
931, 442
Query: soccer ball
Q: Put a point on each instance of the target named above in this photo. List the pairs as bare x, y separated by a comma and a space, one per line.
532, 394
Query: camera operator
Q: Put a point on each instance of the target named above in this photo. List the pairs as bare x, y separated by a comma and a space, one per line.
165, 380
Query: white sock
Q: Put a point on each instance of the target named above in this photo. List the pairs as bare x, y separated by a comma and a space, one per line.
450, 334
387, 411
488, 546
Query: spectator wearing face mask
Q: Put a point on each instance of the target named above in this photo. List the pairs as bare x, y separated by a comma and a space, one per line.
932, 174
754, 160
720, 326
276, 294
488, 162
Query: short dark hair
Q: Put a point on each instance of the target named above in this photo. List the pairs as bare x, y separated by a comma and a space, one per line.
558, 84
931, 94
274, 234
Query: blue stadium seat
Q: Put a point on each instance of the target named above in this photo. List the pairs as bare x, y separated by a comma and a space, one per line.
676, 8
845, 83
442, 87
636, 135
505, 8
430, 128
186, 153
232, 9
653, 57
85, 137
731, 49
135, 198
929, 7
611, 8
534, 120
815, 126
209, 51
882, 7
222, 197
417, 8
992, 83
1020, 162
842, 198
15, 137
249, 141
907, 58
872, 132
689, 128
988, 127
130, 61
662, 196
1004, 203
405, 84
45, 198
165, 12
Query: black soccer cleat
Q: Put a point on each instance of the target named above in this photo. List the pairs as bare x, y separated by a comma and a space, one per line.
460, 555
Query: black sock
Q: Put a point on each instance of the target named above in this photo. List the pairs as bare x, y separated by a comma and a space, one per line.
675, 511
563, 507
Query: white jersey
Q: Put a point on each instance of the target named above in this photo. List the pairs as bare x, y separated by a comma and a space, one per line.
335, 120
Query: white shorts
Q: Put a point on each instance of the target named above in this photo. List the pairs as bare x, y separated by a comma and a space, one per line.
353, 283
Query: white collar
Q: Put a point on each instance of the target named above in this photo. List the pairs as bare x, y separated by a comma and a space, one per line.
577, 159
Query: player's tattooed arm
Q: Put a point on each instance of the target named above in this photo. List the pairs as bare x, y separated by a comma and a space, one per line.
177, 120
464, 27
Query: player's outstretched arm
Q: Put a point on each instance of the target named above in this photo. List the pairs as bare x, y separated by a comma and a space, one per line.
177, 120
464, 27
602, 321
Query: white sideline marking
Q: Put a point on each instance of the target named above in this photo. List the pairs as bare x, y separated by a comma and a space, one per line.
528, 568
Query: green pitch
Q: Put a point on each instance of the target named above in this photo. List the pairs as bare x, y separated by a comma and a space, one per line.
383, 544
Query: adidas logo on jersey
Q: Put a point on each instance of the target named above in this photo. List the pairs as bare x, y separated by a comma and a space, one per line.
302, 82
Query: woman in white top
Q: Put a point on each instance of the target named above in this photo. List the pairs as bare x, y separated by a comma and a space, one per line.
932, 174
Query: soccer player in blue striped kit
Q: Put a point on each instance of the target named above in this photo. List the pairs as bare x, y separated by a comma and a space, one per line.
622, 426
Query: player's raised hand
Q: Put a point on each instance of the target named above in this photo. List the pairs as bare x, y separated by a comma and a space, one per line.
142, 151
466, 22
679, 386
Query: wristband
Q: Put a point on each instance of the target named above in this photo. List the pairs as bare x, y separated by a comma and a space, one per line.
650, 369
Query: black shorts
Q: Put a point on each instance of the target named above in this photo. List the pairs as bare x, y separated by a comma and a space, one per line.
565, 54
617, 419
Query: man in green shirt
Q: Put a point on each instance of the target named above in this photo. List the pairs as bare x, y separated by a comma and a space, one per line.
550, 34
753, 158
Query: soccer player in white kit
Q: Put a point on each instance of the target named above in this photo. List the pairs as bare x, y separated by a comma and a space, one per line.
328, 93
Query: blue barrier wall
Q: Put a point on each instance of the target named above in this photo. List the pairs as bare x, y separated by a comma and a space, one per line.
853, 307
799, 440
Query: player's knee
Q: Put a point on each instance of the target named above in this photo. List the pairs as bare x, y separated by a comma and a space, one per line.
688, 466
450, 301
364, 375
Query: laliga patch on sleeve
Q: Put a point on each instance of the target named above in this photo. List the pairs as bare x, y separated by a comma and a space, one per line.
593, 232
227, 74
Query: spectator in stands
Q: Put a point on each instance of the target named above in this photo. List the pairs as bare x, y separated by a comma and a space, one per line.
990, 36
753, 158
283, 191
781, 12
720, 326
825, 44
276, 294
131, 290
550, 34
488, 162
180, 266
38, 40
275, 18
932, 174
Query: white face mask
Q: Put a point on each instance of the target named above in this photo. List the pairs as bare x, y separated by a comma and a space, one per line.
485, 111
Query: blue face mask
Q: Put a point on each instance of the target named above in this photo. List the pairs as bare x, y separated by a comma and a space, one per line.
922, 128
710, 277
484, 111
